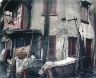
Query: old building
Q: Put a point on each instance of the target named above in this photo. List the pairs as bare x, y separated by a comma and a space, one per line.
15, 30
71, 28
71, 34
16, 17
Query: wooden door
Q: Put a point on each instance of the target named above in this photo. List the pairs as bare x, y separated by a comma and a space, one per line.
88, 52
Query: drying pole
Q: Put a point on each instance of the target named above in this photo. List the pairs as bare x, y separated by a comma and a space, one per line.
46, 31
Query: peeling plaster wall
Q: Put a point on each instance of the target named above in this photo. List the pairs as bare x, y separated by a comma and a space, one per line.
37, 21
62, 29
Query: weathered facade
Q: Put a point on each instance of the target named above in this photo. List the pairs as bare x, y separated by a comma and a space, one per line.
71, 34
70, 21
16, 34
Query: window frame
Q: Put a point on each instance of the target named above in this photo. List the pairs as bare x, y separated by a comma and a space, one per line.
70, 49
84, 14
51, 13
23, 40
85, 4
54, 43
51, 56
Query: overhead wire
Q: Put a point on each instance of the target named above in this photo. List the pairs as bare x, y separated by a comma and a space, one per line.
5, 5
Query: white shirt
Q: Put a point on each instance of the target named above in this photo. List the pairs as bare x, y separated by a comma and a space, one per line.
21, 64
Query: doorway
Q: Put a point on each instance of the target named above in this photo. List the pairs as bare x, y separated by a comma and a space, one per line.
88, 52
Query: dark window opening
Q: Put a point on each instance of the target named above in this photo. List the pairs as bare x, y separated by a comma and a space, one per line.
52, 45
23, 41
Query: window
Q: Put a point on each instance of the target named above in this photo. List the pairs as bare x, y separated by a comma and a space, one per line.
52, 7
20, 42
84, 11
72, 46
84, 14
52, 45
23, 41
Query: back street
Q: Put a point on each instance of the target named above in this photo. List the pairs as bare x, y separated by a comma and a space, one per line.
56, 36
3, 73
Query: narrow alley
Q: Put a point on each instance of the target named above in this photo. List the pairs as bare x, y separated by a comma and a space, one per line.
47, 38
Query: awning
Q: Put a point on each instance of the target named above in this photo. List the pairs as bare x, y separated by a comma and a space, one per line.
86, 3
20, 31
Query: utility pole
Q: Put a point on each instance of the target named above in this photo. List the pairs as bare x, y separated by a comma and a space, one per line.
46, 31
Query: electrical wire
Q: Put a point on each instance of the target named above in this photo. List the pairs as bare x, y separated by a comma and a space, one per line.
6, 4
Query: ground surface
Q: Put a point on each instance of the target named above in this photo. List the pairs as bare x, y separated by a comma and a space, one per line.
3, 72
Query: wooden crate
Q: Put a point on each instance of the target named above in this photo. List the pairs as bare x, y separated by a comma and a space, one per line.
22, 52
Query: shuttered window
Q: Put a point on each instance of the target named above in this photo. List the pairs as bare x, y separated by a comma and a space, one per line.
84, 14
85, 11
